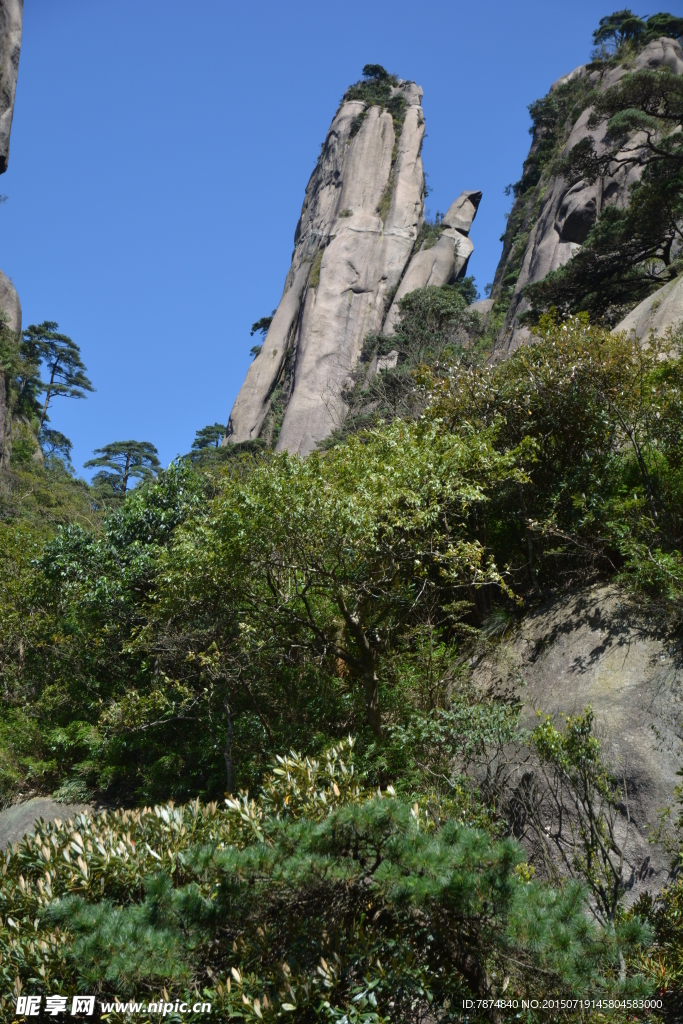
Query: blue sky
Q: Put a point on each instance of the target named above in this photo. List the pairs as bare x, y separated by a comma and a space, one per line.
159, 156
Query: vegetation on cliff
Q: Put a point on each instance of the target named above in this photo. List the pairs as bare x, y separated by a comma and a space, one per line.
167, 644
634, 244
223, 614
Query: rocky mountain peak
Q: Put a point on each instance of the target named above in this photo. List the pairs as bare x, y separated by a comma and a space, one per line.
354, 259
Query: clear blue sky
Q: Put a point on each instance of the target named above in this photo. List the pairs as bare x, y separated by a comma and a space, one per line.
160, 151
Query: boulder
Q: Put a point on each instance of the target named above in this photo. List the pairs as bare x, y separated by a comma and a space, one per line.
19, 819
660, 312
482, 306
444, 261
593, 648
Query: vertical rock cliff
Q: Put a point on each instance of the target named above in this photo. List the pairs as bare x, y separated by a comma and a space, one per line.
444, 261
551, 217
11, 12
361, 218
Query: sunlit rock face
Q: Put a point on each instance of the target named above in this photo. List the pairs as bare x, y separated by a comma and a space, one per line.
361, 217
10, 45
657, 314
590, 647
443, 262
568, 211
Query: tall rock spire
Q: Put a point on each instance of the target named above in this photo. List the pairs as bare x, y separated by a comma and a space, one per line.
362, 214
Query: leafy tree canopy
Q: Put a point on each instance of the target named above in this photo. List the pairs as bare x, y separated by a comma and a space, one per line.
375, 71
624, 26
261, 326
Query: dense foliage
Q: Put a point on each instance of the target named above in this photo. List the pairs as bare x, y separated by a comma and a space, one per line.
319, 900
164, 645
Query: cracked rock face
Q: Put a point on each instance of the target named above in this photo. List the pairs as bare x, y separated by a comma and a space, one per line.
592, 648
446, 260
568, 212
362, 213
10, 45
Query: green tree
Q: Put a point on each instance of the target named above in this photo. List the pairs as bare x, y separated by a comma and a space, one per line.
375, 71
55, 444
331, 559
664, 25
208, 436
20, 385
616, 29
319, 899
62, 359
126, 459
261, 326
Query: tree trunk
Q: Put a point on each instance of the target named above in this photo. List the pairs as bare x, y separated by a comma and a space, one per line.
47, 396
227, 753
369, 666
372, 699
125, 472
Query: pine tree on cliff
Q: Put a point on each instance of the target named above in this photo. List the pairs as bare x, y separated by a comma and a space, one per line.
125, 459
631, 250
61, 357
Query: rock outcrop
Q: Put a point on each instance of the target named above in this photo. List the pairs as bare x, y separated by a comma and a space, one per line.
10, 304
591, 648
660, 312
20, 819
553, 218
11, 12
362, 214
444, 261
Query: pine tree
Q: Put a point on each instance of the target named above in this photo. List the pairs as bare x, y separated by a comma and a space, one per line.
125, 459
261, 327
55, 445
62, 359
209, 436
619, 28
